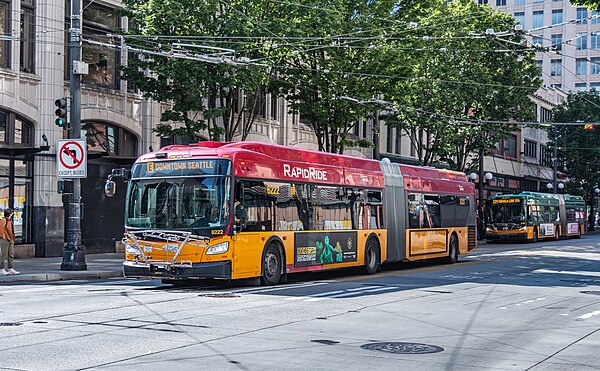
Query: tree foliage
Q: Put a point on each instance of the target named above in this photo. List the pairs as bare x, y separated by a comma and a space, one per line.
456, 77
578, 148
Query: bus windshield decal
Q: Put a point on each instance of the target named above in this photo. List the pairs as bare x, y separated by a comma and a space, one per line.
304, 173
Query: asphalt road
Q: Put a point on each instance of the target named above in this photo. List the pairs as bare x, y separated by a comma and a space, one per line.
505, 307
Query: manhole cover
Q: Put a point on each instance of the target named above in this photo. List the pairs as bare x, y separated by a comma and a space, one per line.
590, 292
10, 323
403, 348
326, 342
221, 295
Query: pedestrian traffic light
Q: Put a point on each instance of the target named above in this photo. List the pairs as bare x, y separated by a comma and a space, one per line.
588, 127
61, 112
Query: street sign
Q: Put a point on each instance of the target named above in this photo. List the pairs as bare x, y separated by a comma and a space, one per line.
71, 158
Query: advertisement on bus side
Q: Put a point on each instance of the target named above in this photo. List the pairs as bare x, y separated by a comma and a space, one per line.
318, 248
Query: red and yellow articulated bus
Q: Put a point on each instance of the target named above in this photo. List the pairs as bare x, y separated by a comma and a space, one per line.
249, 210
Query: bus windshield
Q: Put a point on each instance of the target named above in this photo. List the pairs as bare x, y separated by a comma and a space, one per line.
506, 213
178, 203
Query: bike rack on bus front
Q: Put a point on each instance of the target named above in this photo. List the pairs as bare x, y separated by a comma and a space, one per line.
178, 239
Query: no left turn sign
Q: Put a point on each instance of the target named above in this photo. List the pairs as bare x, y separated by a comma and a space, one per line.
71, 158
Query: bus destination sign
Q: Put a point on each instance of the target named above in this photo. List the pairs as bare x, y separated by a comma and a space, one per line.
506, 201
181, 168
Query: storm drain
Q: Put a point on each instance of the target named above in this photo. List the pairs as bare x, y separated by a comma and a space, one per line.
325, 341
221, 295
403, 348
590, 292
10, 323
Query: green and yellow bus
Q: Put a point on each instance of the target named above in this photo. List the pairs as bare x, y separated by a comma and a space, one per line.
531, 216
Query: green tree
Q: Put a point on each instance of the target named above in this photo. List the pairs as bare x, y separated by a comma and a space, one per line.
196, 76
590, 4
578, 148
458, 75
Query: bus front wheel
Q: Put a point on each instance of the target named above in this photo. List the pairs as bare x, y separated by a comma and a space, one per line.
371, 257
453, 250
271, 267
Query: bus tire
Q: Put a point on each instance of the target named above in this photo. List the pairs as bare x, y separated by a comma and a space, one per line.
452, 250
271, 265
371, 256
535, 235
557, 234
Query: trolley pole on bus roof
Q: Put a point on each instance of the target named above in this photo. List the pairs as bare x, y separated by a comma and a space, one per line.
73, 251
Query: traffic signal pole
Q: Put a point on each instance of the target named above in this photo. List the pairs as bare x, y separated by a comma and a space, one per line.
73, 250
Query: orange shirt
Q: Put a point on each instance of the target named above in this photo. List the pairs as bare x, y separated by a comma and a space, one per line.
6, 229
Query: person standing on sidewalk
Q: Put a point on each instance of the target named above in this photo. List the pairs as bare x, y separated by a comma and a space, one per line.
7, 243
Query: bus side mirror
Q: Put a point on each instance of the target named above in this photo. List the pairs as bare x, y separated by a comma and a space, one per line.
110, 188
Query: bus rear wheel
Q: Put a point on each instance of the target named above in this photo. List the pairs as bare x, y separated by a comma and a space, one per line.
271, 266
371, 257
453, 250
535, 235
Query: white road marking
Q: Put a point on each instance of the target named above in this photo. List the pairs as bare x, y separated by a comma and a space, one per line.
589, 315
578, 273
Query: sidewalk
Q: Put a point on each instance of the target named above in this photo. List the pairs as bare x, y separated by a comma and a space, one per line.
99, 266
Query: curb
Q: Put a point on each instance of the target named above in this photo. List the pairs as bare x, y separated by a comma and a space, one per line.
41, 277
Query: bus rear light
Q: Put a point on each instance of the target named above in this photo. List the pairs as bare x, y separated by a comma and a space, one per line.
219, 248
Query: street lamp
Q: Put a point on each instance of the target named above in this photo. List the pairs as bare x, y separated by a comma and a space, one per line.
488, 176
473, 176
549, 186
561, 186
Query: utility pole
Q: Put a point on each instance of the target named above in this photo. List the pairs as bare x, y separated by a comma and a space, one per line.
555, 159
73, 251
376, 149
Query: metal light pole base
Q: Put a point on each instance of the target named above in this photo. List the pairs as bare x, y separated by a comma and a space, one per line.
73, 260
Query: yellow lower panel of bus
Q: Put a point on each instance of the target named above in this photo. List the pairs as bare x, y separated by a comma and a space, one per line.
248, 249
433, 243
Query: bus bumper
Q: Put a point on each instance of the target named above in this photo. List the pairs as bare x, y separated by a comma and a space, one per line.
134, 269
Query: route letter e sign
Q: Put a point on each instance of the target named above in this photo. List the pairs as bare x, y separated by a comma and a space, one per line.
71, 158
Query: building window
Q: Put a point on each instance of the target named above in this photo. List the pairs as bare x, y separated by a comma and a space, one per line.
538, 19
274, 106
545, 114
500, 2
520, 18
557, 41
595, 86
105, 138
558, 86
581, 86
390, 139
483, 2
581, 41
519, 2
595, 66
530, 185
4, 30
537, 42
595, 40
546, 156
597, 14
102, 61
530, 149
23, 131
557, 16
582, 14
556, 67
581, 66
398, 140
539, 64
27, 51
3, 122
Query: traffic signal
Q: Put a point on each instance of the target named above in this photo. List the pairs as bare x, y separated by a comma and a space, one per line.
588, 127
61, 112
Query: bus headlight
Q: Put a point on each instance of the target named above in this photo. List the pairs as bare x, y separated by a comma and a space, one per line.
132, 249
219, 248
